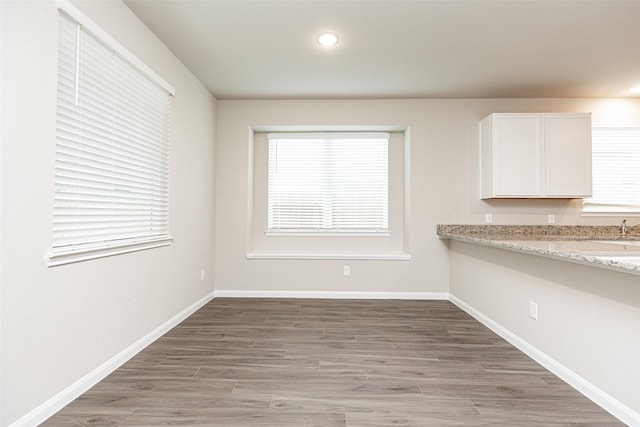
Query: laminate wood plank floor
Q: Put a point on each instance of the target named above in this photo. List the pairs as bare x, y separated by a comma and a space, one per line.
310, 362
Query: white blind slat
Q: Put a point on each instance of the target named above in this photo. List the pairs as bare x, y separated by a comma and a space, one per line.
112, 149
331, 182
616, 170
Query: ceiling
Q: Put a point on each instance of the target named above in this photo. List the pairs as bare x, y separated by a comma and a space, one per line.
266, 49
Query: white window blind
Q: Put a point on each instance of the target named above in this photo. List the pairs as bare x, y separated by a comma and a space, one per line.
616, 170
112, 151
328, 182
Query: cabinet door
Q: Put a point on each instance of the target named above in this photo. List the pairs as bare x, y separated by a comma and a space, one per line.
518, 155
568, 155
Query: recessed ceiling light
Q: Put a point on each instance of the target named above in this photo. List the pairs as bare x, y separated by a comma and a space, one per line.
327, 39
635, 90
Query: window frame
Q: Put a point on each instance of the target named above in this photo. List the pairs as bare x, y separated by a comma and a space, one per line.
74, 247
327, 142
395, 247
594, 207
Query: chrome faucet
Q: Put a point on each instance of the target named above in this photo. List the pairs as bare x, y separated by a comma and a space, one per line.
624, 228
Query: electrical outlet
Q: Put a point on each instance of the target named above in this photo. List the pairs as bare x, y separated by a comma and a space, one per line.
551, 219
347, 270
533, 310
202, 274
488, 218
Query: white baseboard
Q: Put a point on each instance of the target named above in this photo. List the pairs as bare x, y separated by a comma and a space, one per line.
595, 394
66, 396
333, 295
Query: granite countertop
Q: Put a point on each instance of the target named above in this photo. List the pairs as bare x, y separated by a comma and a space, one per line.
598, 246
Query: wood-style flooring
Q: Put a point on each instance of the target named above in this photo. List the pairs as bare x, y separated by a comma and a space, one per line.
309, 362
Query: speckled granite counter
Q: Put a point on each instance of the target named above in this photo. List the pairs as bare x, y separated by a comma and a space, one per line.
598, 246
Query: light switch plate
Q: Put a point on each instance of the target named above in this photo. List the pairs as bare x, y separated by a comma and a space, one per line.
533, 310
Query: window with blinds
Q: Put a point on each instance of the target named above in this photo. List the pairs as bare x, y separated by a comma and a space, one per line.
112, 149
328, 182
616, 170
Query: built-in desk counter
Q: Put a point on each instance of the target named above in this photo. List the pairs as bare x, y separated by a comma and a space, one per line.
598, 246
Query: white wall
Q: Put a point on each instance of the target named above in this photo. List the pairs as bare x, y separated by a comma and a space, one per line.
444, 187
234, 272
588, 317
59, 324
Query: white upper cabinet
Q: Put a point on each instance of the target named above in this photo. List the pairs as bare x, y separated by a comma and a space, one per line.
535, 155
568, 155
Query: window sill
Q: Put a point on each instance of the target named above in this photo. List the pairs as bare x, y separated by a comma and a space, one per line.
611, 213
382, 256
64, 256
296, 233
